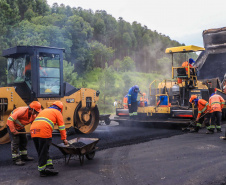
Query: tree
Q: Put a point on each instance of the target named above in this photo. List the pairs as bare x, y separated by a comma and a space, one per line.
107, 89
79, 32
101, 54
127, 64
69, 75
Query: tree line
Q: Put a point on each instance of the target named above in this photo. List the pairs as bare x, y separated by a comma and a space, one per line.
95, 43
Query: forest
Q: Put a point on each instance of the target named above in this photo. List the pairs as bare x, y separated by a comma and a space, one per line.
101, 52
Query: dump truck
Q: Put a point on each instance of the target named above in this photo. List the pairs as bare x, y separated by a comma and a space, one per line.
36, 73
176, 91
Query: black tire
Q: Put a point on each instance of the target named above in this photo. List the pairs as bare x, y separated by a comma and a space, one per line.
4, 136
91, 124
90, 155
107, 121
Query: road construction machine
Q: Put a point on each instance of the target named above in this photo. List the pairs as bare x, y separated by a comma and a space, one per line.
36, 73
175, 93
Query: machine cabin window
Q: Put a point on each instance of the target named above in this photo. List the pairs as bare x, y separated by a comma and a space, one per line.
49, 73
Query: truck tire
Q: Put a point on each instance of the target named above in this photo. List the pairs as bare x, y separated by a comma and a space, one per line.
90, 125
4, 136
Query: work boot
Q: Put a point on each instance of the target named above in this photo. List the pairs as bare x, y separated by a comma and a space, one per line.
18, 162
210, 132
48, 172
49, 166
219, 131
26, 158
195, 130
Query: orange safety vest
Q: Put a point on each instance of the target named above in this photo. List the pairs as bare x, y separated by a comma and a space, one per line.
203, 107
44, 123
216, 102
185, 64
19, 118
125, 103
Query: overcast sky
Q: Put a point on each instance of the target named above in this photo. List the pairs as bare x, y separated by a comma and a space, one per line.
181, 20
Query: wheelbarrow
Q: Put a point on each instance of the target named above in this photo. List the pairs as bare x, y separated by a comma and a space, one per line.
105, 118
78, 147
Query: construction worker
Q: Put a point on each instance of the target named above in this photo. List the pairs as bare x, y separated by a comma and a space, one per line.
144, 99
163, 100
41, 132
216, 102
188, 63
18, 118
125, 102
203, 112
132, 100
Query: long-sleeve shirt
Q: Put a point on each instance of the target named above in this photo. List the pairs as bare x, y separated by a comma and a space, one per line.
203, 107
43, 125
19, 118
216, 102
132, 96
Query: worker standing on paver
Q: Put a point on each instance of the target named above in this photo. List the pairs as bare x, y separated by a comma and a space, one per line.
16, 122
203, 112
132, 100
41, 132
216, 102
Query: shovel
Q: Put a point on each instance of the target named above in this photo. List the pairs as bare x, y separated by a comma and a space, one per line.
23, 132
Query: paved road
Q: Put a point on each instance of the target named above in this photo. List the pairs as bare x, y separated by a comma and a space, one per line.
167, 157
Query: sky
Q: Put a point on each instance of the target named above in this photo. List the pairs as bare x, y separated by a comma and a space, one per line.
181, 20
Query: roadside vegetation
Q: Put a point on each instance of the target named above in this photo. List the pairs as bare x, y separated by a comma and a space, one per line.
101, 52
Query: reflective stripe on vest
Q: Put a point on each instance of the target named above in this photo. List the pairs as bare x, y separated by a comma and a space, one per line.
204, 109
215, 102
16, 121
46, 120
61, 127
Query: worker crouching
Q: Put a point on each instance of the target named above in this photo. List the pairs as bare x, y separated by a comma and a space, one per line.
18, 119
41, 133
203, 112
216, 102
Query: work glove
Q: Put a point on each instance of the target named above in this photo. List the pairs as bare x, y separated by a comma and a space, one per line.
15, 132
65, 142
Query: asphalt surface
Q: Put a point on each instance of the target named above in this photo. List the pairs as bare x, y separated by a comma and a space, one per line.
131, 155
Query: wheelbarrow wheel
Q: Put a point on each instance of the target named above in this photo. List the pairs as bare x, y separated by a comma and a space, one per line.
90, 155
107, 121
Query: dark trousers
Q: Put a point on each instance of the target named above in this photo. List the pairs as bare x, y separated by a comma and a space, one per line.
42, 146
216, 120
133, 109
18, 144
205, 119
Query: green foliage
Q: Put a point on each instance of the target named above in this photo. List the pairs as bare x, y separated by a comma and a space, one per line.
107, 88
101, 54
131, 52
69, 75
127, 65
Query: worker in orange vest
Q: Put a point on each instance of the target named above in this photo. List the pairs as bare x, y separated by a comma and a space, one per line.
188, 63
41, 132
216, 102
16, 122
125, 102
203, 112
